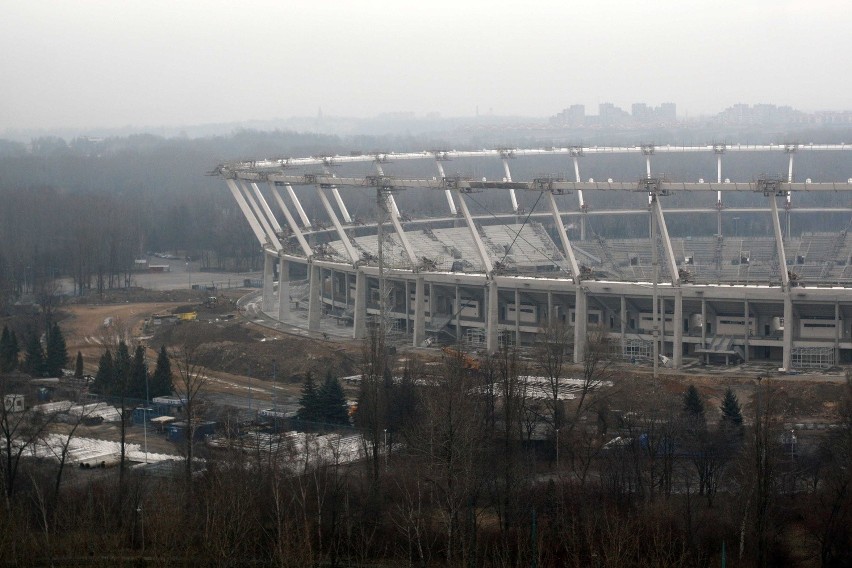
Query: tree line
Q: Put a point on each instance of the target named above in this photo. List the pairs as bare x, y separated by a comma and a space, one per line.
472, 467
85, 209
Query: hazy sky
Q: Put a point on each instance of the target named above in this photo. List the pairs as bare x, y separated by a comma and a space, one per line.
86, 63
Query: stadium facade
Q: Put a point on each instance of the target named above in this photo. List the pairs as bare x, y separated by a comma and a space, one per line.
489, 279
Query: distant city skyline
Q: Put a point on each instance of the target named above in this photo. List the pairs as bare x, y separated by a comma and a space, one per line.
642, 114
156, 62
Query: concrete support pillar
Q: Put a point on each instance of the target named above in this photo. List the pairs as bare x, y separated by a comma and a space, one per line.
622, 315
581, 318
408, 307
432, 307
419, 311
517, 318
314, 304
268, 275
458, 313
747, 332
283, 289
787, 361
550, 319
704, 327
346, 290
360, 302
491, 319
837, 333
677, 325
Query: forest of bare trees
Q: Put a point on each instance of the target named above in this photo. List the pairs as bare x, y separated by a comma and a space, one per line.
462, 467
84, 209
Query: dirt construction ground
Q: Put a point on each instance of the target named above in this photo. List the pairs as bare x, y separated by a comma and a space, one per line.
241, 357
237, 356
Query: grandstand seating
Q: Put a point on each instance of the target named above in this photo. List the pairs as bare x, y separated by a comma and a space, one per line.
815, 257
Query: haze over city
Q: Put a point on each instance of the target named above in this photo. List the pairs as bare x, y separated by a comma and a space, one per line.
113, 64
471, 283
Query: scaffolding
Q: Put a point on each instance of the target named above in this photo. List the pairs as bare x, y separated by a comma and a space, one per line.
635, 349
813, 357
474, 337
506, 340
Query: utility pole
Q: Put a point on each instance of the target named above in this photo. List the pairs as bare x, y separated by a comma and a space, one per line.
145, 419
655, 299
381, 201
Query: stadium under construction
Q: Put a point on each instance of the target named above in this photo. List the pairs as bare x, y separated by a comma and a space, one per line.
491, 279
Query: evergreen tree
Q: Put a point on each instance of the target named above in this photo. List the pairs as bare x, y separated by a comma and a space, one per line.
14, 350
4, 349
331, 402
309, 401
731, 412
161, 380
692, 403
121, 369
138, 376
105, 377
403, 402
8, 350
34, 357
56, 356
78, 367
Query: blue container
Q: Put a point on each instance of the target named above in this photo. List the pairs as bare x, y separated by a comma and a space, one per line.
177, 431
140, 415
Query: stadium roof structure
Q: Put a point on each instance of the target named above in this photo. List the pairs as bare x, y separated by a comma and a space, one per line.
507, 250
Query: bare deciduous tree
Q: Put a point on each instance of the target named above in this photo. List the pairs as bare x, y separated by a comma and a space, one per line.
189, 386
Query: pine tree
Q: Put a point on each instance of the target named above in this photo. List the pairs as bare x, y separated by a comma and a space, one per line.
693, 408
56, 356
8, 350
121, 369
4, 349
161, 380
309, 401
731, 412
692, 403
104, 382
333, 408
34, 357
78, 367
138, 375
14, 351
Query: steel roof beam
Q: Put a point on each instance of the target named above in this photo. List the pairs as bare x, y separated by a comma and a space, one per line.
265, 206
280, 163
667, 243
474, 234
247, 213
393, 212
779, 243
291, 222
340, 204
272, 238
344, 238
563, 237
555, 185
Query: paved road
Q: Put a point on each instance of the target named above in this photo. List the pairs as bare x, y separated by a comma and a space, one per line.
182, 275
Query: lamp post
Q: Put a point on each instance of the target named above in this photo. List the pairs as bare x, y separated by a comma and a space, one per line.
557, 448
274, 387
248, 372
189, 273
141, 525
145, 416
